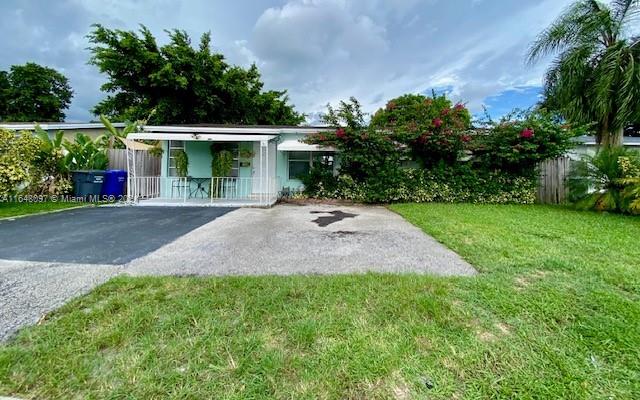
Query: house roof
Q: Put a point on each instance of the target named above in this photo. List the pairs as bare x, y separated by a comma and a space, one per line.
56, 126
591, 140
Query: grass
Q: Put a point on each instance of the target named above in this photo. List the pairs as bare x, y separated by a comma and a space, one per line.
554, 313
11, 209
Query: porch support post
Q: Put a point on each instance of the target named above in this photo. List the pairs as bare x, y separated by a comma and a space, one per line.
128, 173
262, 174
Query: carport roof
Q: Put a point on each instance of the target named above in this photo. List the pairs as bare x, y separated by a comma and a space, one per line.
208, 132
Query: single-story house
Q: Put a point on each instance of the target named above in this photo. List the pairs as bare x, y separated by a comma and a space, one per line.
70, 129
264, 162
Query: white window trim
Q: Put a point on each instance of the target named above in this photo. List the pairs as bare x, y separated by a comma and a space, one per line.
169, 148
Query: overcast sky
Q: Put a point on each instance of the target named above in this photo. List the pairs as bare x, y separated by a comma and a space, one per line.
319, 50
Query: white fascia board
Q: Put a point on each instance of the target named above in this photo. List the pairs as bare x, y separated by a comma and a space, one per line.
231, 130
203, 137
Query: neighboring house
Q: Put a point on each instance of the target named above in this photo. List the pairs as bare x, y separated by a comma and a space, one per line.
586, 145
92, 129
267, 161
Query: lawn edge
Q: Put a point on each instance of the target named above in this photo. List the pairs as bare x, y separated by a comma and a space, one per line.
43, 213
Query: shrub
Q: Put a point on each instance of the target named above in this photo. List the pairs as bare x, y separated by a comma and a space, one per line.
432, 128
521, 140
442, 183
607, 181
367, 156
17, 155
50, 164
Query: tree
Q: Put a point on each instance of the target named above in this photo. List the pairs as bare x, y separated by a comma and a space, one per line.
434, 129
182, 83
595, 77
4, 93
32, 92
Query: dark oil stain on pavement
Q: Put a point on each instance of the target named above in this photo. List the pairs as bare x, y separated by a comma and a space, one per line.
335, 217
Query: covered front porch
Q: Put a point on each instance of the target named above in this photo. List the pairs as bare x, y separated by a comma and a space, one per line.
207, 166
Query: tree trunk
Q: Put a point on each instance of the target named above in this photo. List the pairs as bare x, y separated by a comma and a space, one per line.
613, 138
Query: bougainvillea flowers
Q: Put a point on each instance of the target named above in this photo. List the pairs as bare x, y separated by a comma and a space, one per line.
526, 133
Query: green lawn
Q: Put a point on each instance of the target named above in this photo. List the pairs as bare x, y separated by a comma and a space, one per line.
11, 209
555, 313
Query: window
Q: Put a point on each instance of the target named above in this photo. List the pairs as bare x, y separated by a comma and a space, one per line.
174, 147
300, 162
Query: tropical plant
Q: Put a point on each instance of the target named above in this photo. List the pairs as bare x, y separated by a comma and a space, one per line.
606, 181
184, 84
18, 152
521, 139
595, 77
115, 138
50, 163
85, 154
366, 154
31, 92
182, 163
433, 128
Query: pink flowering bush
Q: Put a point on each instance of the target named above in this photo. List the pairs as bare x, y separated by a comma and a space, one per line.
519, 141
432, 128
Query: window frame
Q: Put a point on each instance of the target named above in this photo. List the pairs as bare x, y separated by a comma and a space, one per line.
308, 160
170, 168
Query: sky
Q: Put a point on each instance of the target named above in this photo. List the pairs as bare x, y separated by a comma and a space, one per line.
321, 51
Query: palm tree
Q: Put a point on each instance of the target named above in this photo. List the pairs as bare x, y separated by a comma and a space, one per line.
595, 77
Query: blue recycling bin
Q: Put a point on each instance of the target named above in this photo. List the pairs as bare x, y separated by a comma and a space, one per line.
114, 182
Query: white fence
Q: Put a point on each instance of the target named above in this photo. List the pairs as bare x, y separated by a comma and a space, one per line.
214, 191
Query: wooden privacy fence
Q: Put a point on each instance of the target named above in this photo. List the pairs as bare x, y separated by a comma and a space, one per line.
146, 164
552, 188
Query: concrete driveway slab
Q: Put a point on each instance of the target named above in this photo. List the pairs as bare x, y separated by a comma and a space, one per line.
290, 239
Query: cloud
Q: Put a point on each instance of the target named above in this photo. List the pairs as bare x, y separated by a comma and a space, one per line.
320, 50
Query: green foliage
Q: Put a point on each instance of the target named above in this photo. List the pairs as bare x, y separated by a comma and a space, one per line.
595, 77
114, 138
50, 164
500, 167
182, 163
432, 127
85, 154
221, 161
607, 181
31, 92
521, 140
183, 84
18, 151
445, 184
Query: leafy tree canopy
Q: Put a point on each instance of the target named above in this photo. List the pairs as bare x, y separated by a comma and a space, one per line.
182, 83
31, 92
595, 77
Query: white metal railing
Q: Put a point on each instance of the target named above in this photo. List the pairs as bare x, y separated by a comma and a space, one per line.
204, 191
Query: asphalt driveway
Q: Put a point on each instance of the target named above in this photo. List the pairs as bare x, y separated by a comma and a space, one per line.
100, 235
